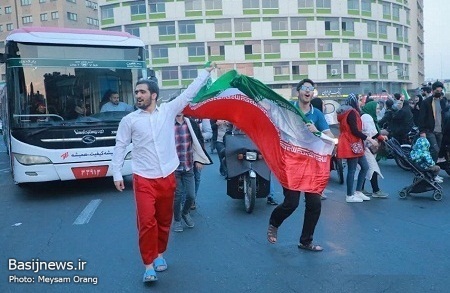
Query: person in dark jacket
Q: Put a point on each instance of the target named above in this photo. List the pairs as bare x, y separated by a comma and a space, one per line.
402, 119
415, 108
431, 118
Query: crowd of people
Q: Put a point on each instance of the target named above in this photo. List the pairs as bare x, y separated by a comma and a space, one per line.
169, 153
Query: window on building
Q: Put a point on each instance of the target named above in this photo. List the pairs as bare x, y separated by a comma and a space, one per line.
250, 4
137, 7
366, 5
396, 50
396, 11
298, 23
349, 67
300, 68
193, 5
281, 68
55, 15
189, 72
160, 51
332, 24
92, 21
91, 4
307, 46
399, 31
407, 15
72, 16
371, 26
73, 1
382, 28
1, 27
324, 45
386, 8
133, 30
333, 68
44, 16
305, 3
157, 6
27, 19
42, 1
186, 27
373, 67
9, 26
216, 49
387, 48
323, 3
348, 25
353, 4
383, 68
279, 24
354, 46
166, 28
252, 47
169, 73
196, 49
8, 10
242, 25
222, 25
269, 3
107, 11
272, 46
25, 2
367, 47
213, 4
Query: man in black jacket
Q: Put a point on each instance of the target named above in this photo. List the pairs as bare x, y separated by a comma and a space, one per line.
402, 119
431, 118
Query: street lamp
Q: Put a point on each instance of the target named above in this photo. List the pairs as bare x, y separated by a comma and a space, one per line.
382, 82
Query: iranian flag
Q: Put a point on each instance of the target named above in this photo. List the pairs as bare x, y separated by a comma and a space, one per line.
298, 158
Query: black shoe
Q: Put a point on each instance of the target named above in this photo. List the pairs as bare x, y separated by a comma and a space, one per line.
271, 201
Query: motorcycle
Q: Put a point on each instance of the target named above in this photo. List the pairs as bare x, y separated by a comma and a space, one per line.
248, 176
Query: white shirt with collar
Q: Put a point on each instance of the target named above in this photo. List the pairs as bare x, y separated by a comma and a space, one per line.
154, 153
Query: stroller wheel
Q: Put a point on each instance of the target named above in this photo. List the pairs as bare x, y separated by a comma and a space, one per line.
403, 193
437, 195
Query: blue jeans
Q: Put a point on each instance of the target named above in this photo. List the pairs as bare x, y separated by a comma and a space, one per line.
351, 165
185, 186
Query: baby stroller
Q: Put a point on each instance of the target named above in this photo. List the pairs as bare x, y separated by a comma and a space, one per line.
423, 180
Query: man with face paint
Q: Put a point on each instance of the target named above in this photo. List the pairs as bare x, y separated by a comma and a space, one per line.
431, 119
154, 160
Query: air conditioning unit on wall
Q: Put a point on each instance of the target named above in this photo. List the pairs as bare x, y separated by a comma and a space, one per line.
334, 72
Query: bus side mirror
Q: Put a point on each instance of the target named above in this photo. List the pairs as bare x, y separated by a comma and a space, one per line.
2, 58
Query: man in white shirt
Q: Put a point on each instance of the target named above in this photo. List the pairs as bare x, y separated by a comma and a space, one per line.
115, 105
154, 160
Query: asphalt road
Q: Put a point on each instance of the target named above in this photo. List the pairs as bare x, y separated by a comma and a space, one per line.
385, 245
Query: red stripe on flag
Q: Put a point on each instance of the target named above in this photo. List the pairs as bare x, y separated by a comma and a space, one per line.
296, 168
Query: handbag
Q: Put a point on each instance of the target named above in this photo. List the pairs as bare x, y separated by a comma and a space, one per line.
357, 147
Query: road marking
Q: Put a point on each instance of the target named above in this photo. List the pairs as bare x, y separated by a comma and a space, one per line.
87, 213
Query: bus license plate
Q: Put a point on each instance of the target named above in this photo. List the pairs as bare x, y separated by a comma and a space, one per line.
89, 172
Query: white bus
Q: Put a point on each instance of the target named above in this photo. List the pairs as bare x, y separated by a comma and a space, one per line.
56, 81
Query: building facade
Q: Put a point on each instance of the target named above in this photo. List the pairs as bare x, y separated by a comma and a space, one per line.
343, 45
54, 13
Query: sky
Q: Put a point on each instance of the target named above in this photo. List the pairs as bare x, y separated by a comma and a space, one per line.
437, 39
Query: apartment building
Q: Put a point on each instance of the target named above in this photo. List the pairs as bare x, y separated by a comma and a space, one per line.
343, 45
56, 13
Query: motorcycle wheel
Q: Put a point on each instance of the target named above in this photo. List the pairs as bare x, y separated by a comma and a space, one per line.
250, 194
400, 162
340, 170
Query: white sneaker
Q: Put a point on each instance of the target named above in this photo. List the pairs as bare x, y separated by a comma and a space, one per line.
361, 195
438, 180
439, 177
353, 198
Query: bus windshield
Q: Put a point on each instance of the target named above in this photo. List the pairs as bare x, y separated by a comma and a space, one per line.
65, 85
